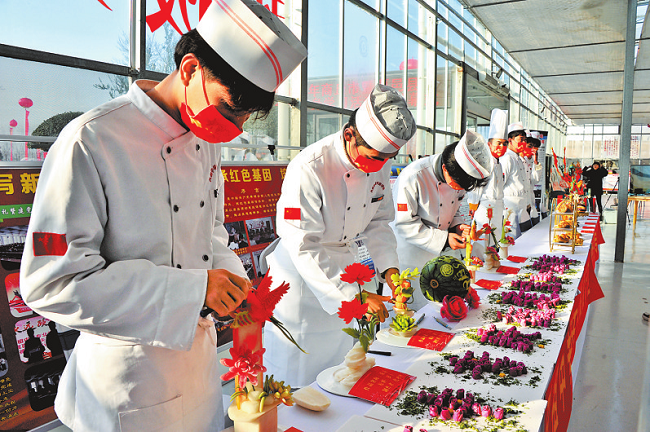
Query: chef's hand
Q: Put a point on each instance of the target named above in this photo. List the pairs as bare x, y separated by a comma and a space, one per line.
456, 241
225, 291
376, 305
389, 280
463, 229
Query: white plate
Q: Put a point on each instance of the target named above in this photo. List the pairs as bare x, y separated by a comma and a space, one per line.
389, 338
326, 381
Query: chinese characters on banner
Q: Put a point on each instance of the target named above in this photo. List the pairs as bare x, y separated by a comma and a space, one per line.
31, 353
251, 193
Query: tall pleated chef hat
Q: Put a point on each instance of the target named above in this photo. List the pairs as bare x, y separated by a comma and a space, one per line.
498, 124
384, 120
252, 40
473, 155
518, 126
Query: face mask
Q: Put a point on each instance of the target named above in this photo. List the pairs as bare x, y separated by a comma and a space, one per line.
369, 165
208, 125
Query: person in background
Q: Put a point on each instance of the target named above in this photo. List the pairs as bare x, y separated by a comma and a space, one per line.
534, 170
515, 189
126, 241
491, 195
428, 194
335, 201
594, 176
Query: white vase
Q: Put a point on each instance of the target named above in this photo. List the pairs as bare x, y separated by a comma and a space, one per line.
356, 364
503, 252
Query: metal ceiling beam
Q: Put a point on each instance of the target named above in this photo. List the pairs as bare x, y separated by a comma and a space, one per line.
550, 48
626, 133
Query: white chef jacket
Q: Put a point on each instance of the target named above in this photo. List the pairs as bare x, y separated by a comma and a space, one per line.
140, 203
328, 203
515, 192
426, 207
490, 195
534, 174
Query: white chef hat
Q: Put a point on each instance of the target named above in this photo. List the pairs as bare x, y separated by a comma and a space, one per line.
252, 40
473, 155
384, 121
498, 124
535, 134
518, 126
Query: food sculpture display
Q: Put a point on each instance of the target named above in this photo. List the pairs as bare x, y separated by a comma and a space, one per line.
564, 222
403, 291
356, 362
255, 401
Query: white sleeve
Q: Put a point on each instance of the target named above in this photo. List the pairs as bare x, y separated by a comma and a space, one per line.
380, 237
132, 300
408, 224
301, 192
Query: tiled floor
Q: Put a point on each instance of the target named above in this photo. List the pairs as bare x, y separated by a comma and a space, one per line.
611, 376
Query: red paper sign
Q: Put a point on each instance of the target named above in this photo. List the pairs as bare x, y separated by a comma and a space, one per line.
488, 284
293, 429
381, 385
516, 259
507, 270
430, 339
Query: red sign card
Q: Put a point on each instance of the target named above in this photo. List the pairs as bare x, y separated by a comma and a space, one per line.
516, 259
381, 385
293, 429
507, 270
430, 339
488, 284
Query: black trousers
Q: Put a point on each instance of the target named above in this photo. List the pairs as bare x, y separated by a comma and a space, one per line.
596, 199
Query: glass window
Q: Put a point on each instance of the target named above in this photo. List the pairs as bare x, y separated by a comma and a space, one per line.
416, 75
79, 28
443, 140
360, 55
417, 16
395, 59
455, 44
324, 66
448, 96
41, 98
322, 123
442, 37
645, 147
397, 11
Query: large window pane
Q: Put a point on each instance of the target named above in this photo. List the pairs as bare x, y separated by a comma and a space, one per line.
443, 38
416, 18
324, 67
79, 28
455, 44
396, 10
360, 55
53, 91
321, 124
395, 59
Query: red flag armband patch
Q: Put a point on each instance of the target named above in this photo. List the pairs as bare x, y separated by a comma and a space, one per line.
49, 244
292, 213
402, 207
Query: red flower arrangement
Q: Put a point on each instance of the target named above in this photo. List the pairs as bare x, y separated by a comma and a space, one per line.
357, 309
245, 365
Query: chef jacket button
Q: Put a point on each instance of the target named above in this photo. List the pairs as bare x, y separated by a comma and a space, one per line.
364, 205
452, 202
198, 147
344, 237
440, 204
178, 265
175, 208
205, 258
367, 175
348, 208
347, 175
202, 203
169, 150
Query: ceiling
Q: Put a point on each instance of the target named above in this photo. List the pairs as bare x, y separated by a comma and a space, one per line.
575, 51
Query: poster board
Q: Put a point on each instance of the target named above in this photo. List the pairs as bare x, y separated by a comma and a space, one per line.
31, 349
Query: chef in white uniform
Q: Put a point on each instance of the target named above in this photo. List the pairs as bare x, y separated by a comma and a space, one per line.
335, 198
515, 192
126, 241
491, 195
428, 194
534, 170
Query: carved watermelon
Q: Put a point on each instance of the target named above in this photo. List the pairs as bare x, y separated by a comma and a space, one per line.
442, 276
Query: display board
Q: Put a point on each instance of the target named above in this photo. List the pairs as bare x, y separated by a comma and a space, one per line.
31, 350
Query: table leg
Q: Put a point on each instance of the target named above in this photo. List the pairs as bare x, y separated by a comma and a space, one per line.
636, 211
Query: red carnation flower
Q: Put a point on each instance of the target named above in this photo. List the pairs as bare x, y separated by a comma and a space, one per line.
472, 298
358, 273
354, 309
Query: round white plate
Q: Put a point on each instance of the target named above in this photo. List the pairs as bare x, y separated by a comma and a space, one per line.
389, 338
326, 381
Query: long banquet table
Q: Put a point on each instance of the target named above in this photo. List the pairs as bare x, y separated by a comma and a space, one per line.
548, 406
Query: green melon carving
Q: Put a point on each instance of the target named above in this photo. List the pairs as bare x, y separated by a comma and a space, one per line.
442, 276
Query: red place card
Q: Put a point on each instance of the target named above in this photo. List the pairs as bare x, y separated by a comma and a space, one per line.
430, 339
488, 284
516, 259
507, 270
587, 231
381, 385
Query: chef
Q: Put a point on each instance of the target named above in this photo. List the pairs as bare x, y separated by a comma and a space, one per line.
491, 195
126, 241
428, 194
515, 189
335, 203
534, 172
